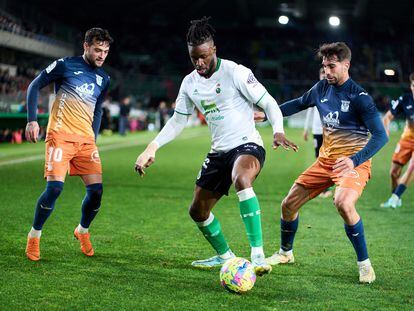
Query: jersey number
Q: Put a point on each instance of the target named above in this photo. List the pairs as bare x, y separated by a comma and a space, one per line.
55, 154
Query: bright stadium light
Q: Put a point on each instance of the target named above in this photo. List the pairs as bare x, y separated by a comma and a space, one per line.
334, 21
389, 72
283, 19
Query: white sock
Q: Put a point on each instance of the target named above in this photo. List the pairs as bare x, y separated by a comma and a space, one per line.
286, 253
33, 233
82, 230
227, 255
365, 262
257, 251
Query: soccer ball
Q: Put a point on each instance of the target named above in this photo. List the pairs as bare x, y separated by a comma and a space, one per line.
237, 275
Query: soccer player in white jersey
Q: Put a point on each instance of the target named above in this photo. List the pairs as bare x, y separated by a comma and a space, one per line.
225, 93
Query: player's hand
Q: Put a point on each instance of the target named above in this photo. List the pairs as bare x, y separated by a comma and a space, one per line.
146, 158
342, 165
32, 131
279, 139
305, 135
259, 116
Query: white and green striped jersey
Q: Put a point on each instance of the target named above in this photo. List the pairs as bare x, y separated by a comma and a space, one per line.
226, 100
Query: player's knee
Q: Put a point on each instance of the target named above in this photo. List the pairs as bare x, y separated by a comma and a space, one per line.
395, 173
197, 213
53, 190
344, 205
288, 206
241, 182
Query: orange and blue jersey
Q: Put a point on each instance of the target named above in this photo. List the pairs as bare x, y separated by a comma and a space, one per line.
348, 115
404, 105
80, 89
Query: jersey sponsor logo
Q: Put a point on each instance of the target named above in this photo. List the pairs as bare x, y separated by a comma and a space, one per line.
331, 119
363, 93
51, 67
99, 80
85, 89
324, 100
209, 107
77, 72
195, 92
345, 105
251, 79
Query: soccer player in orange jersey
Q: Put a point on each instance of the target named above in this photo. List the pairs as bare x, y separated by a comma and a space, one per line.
74, 121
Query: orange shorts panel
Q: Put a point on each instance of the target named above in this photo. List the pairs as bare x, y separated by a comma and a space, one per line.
320, 176
77, 158
404, 151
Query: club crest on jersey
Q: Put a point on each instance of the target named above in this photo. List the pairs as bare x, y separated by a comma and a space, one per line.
331, 119
345, 105
85, 89
99, 80
218, 89
251, 79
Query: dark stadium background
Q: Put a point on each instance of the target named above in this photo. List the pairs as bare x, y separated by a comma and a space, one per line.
149, 57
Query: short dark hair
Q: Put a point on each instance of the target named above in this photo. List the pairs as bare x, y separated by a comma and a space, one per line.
200, 31
338, 49
98, 34
411, 77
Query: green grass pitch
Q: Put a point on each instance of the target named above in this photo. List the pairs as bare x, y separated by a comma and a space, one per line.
144, 239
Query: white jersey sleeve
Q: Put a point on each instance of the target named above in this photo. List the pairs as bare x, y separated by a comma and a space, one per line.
247, 84
183, 103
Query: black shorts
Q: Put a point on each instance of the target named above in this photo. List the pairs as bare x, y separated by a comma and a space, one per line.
317, 142
215, 173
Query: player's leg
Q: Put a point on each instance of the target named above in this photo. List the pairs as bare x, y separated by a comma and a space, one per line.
317, 141
200, 211
402, 154
349, 188
345, 200
245, 169
297, 196
395, 173
57, 156
403, 183
87, 165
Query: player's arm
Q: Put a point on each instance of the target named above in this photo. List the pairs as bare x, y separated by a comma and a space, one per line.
309, 113
169, 132
379, 138
386, 120
275, 118
53, 72
97, 114
173, 127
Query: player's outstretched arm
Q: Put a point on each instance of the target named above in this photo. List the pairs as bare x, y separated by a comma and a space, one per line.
169, 132
386, 120
275, 117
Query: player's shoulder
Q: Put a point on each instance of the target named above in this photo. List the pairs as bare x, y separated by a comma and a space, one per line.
406, 97
357, 93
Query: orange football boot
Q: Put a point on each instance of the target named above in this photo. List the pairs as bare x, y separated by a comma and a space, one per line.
85, 242
33, 248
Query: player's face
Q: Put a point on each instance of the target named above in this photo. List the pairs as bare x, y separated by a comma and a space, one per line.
412, 86
204, 58
336, 71
96, 53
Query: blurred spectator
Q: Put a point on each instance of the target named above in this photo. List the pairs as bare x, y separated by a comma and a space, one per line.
106, 125
124, 109
162, 114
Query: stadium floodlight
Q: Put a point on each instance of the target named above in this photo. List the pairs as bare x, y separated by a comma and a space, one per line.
389, 72
283, 19
334, 21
